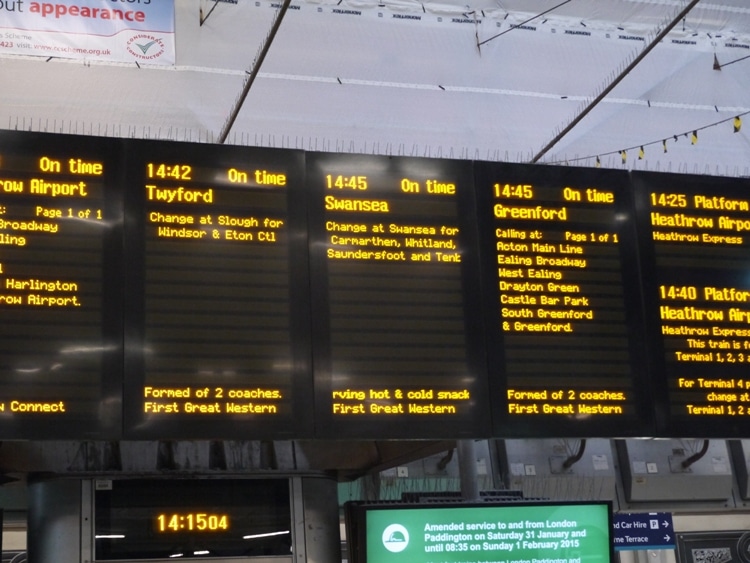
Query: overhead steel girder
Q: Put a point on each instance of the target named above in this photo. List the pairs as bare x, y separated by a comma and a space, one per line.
253, 73
611, 86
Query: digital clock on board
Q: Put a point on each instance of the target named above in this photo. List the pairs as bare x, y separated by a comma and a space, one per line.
346, 182
169, 171
167, 522
156, 519
668, 200
520, 191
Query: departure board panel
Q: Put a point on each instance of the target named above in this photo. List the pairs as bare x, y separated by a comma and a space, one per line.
160, 290
218, 307
397, 336
696, 252
60, 300
560, 283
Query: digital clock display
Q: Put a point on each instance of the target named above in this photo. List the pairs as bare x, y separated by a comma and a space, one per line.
174, 171
192, 521
660, 199
156, 519
346, 182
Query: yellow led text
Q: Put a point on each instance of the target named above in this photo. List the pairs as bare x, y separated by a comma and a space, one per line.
424, 243
432, 187
179, 195
41, 407
387, 402
727, 397
565, 402
211, 400
40, 293
247, 229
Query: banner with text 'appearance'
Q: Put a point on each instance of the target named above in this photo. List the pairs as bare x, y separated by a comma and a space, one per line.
105, 30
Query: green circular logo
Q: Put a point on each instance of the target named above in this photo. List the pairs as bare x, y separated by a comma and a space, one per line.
395, 538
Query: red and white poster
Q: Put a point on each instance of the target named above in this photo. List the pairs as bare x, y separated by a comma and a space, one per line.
106, 30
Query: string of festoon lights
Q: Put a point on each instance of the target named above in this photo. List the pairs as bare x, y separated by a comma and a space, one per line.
641, 148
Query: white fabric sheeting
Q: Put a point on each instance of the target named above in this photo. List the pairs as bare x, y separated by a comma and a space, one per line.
418, 86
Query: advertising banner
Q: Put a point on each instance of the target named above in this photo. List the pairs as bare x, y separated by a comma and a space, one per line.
139, 31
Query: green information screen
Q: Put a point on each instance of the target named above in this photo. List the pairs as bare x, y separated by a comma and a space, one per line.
533, 533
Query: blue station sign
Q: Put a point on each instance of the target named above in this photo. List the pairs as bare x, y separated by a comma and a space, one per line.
648, 530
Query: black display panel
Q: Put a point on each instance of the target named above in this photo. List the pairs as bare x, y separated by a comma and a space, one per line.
564, 314
200, 311
60, 293
397, 345
192, 519
218, 309
695, 236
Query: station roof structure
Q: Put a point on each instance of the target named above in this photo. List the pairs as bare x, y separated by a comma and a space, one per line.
636, 84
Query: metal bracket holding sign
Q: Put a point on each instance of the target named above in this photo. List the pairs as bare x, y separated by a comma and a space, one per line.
652, 530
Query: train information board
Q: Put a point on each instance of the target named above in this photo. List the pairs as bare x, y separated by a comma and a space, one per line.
60, 299
397, 336
563, 309
696, 254
159, 290
218, 308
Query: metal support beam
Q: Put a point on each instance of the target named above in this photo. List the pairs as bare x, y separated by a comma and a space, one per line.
467, 466
516, 26
211, 11
718, 66
253, 72
576, 120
